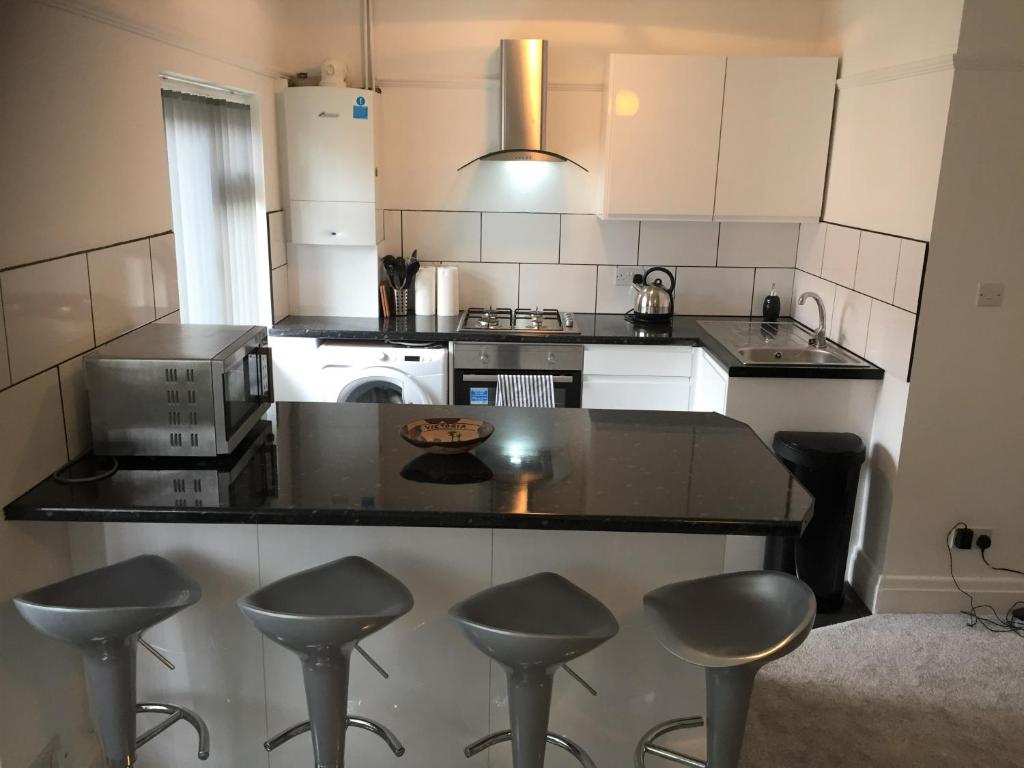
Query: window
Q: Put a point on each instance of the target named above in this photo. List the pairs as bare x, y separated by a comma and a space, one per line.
214, 157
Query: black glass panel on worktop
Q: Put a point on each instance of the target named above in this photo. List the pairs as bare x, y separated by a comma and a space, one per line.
542, 468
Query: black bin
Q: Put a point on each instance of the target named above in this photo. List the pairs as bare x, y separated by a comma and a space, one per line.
827, 464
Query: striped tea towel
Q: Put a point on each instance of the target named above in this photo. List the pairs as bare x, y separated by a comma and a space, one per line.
526, 390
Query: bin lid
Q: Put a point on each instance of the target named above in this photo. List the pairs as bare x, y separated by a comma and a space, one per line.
819, 449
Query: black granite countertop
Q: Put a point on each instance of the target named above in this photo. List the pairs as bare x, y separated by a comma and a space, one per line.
346, 464
593, 329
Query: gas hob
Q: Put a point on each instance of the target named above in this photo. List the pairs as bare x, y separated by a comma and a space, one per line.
529, 322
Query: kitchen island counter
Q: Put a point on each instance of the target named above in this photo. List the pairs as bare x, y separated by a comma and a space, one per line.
558, 469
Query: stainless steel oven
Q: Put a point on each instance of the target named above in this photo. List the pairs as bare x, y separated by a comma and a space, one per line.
178, 390
477, 365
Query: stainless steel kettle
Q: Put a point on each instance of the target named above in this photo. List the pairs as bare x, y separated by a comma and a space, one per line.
654, 303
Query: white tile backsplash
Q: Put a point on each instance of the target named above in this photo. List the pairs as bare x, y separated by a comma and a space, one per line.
279, 290
890, 340
275, 234
333, 280
122, 289
174, 317
764, 280
851, 312
808, 313
526, 238
908, 275
810, 248
33, 434
877, 262
839, 262
587, 239
743, 244
441, 235
48, 313
568, 287
5, 367
488, 285
391, 245
714, 291
679, 243
165, 274
76, 406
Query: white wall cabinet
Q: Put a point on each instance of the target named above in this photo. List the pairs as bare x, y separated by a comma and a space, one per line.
776, 121
330, 161
701, 137
637, 378
661, 143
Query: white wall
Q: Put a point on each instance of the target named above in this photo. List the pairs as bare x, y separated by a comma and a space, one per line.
82, 148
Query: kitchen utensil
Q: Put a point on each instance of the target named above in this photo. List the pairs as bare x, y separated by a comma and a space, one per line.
653, 303
389, 270
400, 272
447, 434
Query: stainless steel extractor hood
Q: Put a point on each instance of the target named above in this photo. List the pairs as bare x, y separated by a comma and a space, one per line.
524, 97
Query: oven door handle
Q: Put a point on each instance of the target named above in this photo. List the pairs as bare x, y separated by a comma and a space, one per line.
493, 378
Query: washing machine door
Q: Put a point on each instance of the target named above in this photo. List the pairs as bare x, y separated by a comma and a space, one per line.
382, 385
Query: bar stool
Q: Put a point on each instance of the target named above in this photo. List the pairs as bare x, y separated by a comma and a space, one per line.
531, 627
320, 615
732, 625
103, 613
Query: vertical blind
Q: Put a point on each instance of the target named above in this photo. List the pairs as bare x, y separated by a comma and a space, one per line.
213, 198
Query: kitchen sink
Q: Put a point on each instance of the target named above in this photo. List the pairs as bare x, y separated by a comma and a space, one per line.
783, 343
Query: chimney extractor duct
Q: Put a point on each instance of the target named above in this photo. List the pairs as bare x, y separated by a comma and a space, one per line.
524, 101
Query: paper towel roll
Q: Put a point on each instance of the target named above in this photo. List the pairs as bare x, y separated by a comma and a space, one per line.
447, 291
426, 287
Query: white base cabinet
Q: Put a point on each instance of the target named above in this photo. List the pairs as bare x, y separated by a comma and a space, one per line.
637, 378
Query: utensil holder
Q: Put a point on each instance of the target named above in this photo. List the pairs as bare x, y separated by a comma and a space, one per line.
400, 297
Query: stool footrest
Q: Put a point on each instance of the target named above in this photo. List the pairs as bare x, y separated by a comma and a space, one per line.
647, 746
174, 714
558, 740
366, 724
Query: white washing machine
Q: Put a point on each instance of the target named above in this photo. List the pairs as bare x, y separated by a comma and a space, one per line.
344, 372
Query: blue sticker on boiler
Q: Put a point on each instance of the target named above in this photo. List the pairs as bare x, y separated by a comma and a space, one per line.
360, 111
479, 396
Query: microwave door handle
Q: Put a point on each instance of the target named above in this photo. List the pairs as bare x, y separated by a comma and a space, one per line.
266, 368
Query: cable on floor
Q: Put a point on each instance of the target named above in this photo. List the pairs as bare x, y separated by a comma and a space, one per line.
994, 622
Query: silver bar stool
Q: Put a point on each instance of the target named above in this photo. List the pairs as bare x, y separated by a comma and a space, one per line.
732, 625
103, 613
321, 615
531, 627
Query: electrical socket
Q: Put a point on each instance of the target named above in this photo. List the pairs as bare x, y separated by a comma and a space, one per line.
624, 275
978, 532
967, 538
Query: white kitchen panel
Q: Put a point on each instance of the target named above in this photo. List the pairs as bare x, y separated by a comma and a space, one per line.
877, 262
679, 243
48, 313
810, 249
636, 393
217, 654
808, 313
165, 274
75, 398
590, 240
392, 242
488, 285
275, 233
435, 698
619, 298
890, 339
520, 237
441, 235
5, 364
908, 276
764, 280
757, 245
318, 222
839, 262
851, 312
639, 682
570, 288
333, 280
122, 289
33, 434
714, 290
279, 290
638, 360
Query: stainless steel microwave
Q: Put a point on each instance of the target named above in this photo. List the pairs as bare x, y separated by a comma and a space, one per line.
178, 390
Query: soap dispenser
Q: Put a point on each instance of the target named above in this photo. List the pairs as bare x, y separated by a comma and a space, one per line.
772, 306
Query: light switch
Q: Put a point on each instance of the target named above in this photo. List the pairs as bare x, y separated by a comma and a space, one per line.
990, 294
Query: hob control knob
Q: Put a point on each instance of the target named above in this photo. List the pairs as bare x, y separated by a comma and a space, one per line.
484, 357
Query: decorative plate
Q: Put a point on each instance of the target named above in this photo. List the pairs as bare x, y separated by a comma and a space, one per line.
447, 435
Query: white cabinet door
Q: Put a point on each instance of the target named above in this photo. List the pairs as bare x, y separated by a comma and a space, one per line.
710, 385
322, 223
636, 393
638, 360
776, 122
661, 142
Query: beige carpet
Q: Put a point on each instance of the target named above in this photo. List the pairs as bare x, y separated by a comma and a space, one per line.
892, 690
